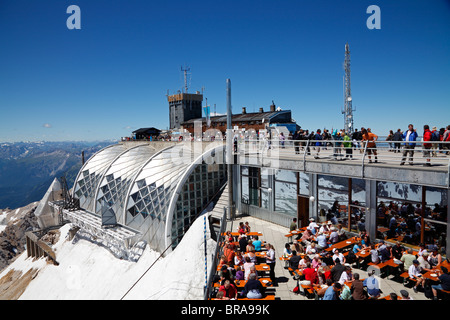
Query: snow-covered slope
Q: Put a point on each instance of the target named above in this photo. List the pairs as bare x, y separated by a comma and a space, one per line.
89, 271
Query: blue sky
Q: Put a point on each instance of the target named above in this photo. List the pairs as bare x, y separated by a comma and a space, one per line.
112, 76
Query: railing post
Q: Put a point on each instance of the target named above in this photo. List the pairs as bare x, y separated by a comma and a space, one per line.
304, 155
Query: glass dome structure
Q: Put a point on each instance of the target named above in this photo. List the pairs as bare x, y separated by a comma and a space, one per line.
156, 191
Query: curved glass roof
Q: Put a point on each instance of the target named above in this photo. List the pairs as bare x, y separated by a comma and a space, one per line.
117, 179
86, 182
149, 196
134, 185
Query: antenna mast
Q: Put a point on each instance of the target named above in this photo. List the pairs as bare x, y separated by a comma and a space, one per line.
348, 109
185, 71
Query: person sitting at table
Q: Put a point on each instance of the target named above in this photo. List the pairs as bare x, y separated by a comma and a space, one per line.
341, 233
242, 243
374, 255
346, 276
397, 250
257, 243
240, 273
220, 296
372, 285
287, 250
306, 237
251, 254
385, 253
405, 295
303, 262
316, 262
336, 255
229, 253
228, 237
294, 260
310, 275
334, 236
321, 241
336, 270
241, 228
239, 259
253, 289
407, 259
327, 259
435, 258
297, 246
423, 262
250, 246
311, 248
325, 227
225, 274
247, 265
444, 282
229, 290
323, 288
332, 292
415, 273
247, 227
357, 288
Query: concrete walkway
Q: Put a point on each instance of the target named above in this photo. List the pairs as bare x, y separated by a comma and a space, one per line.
274, 234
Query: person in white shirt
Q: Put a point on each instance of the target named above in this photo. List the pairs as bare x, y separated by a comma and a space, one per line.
339, 255
321, 241
414, 272
346, 275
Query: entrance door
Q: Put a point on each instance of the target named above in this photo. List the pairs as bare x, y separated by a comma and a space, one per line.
302, 211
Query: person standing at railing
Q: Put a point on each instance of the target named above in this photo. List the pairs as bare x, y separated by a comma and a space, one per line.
348, 146
317, 143
409, 137
371, 146
398, 136
427, 146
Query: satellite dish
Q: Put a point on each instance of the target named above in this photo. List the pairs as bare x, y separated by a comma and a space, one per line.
349, 99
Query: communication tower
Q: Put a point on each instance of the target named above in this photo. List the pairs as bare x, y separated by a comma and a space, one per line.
348, 108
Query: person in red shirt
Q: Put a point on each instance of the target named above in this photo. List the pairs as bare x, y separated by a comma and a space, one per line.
427, 146
310, 275
229, 290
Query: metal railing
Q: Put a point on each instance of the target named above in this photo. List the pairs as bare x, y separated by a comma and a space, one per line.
364, 152
216, 257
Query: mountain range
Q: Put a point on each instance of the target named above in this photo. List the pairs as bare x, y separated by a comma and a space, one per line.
28, 168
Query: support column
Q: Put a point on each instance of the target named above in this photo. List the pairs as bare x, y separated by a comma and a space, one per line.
371, 209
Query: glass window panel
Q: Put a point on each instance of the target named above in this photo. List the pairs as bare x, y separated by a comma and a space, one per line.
264, 199
286, 175
304, 184
245, 190
286, 198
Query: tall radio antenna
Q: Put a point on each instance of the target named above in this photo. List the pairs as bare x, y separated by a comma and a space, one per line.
185, 71
348, 109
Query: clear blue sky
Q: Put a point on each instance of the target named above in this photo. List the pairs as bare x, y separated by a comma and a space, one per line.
112, 76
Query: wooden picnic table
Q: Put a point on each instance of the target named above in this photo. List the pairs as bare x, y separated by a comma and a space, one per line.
240, 284
250, 234
344, 244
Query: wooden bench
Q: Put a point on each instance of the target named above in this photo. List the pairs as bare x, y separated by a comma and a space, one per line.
406, 278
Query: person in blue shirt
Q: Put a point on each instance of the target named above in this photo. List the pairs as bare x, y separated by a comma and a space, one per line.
409, 136
332, 292
257, 244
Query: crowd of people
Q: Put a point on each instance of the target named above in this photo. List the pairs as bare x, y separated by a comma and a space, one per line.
341, 140
238, 263
331, 271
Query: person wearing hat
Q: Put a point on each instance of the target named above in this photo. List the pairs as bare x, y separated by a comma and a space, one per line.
405, 295
415, 273
321, 241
